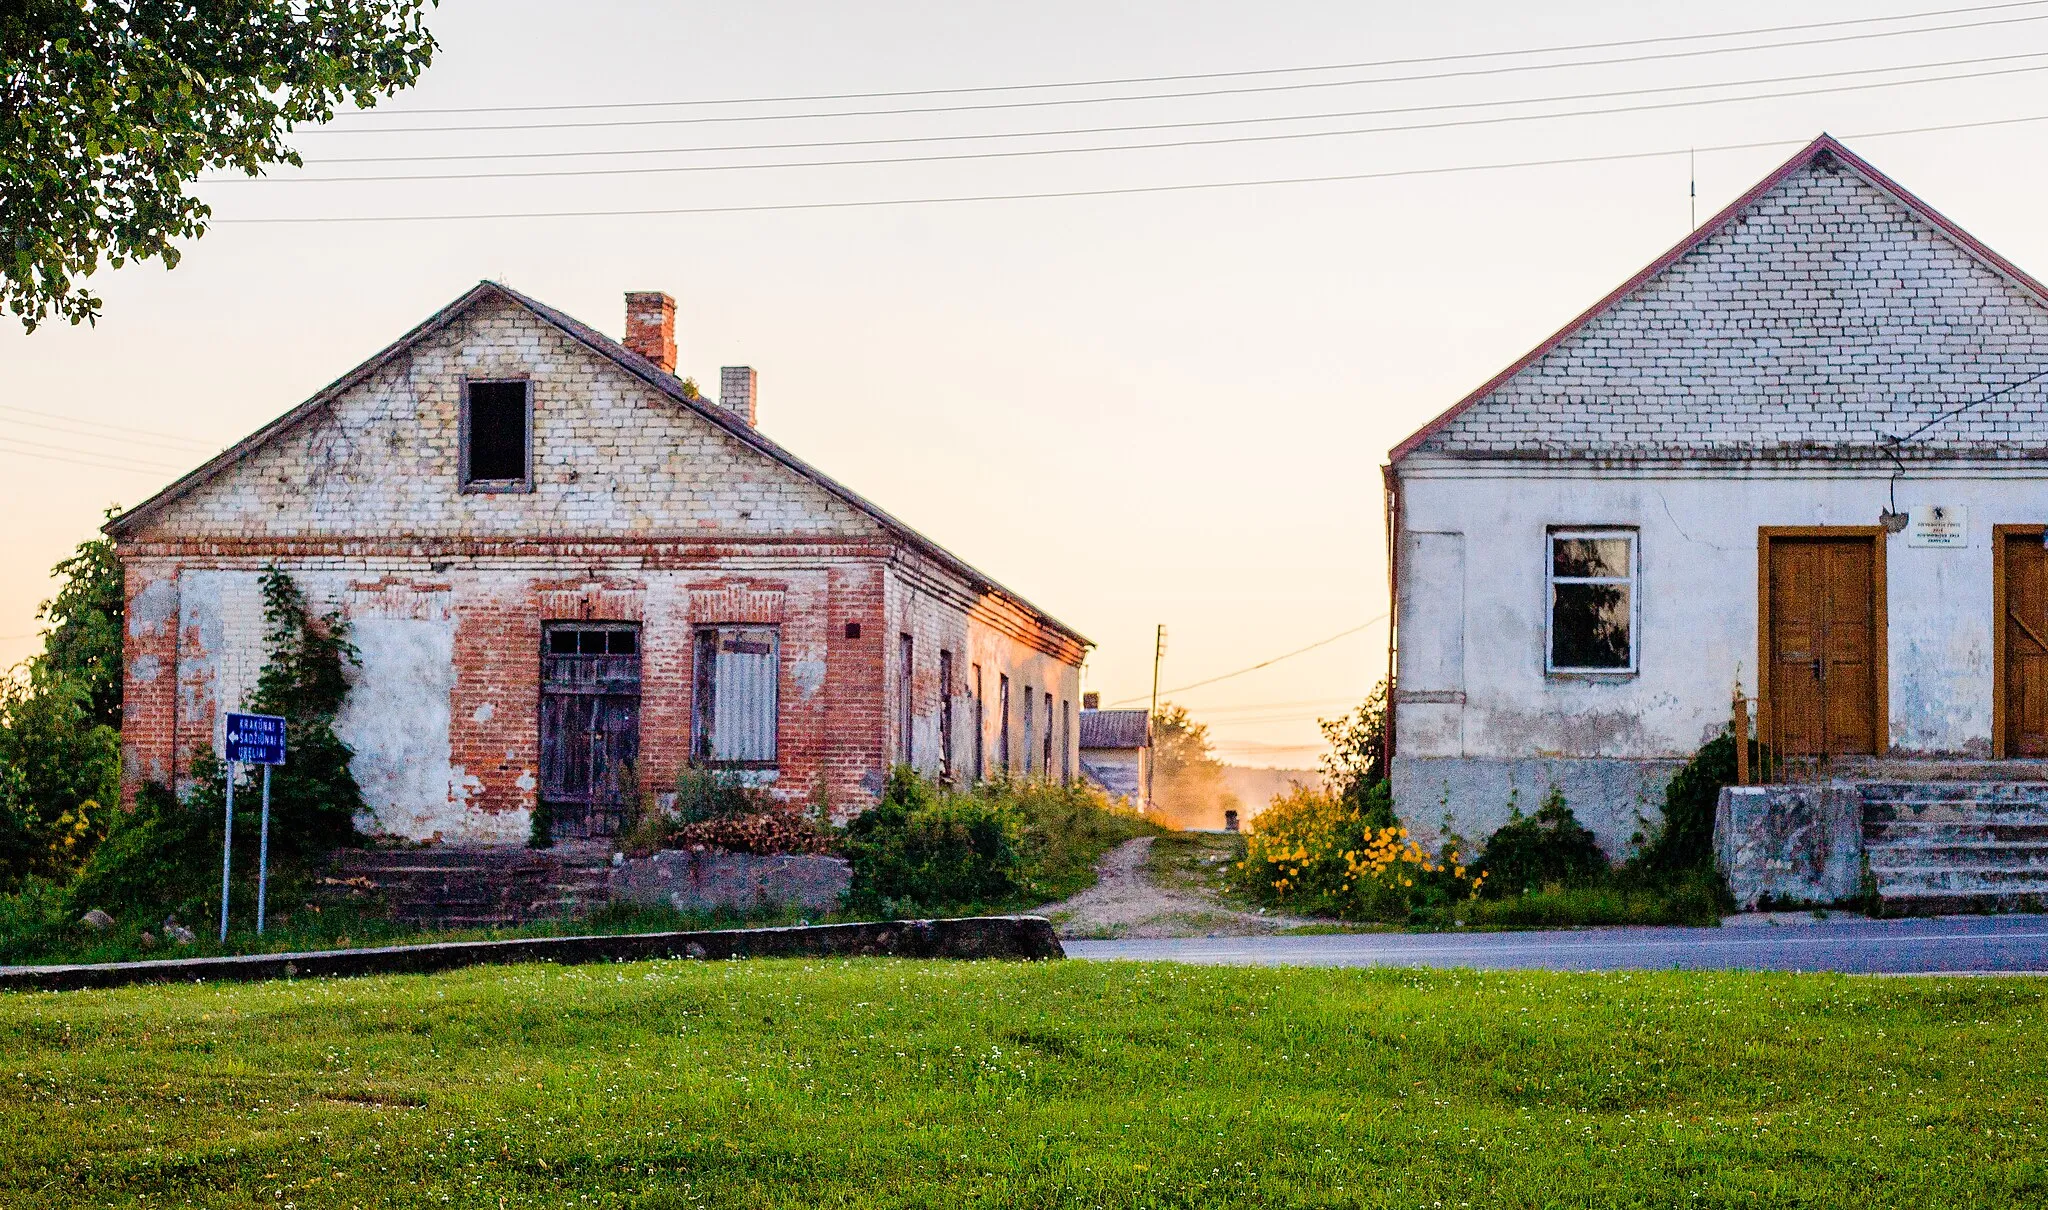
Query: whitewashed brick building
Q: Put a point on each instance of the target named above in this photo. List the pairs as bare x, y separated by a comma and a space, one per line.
1801, 453
569, 576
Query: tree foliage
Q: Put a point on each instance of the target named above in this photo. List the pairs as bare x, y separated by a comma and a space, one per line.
1356, 765
1188, 780
83, 643
110, 109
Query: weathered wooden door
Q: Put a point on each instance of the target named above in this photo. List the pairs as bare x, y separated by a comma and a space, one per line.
2026, 647
1824, 682
589, 726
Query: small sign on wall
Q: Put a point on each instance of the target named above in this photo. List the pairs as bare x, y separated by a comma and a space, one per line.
1938, 525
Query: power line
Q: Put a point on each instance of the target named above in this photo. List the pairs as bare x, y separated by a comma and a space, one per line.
867, 203
100, 424
1227, 141
68, 431
1342, 634
73, 460
622, 123
1470, 56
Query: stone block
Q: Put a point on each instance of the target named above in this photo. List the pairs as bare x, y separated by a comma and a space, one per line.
1798, 844
705, 880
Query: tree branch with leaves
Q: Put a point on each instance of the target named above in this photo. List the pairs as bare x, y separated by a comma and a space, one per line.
109, 110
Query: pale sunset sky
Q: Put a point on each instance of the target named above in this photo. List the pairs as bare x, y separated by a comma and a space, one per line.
1156, 405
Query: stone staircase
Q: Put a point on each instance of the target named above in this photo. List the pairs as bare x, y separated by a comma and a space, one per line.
1956, 836
448, 887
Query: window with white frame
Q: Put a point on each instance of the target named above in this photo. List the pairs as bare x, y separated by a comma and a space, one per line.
1591, 585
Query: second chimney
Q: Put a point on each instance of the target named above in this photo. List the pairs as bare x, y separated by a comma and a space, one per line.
651, 327
739, 391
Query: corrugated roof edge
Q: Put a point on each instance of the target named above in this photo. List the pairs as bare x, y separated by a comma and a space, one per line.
640, 367
1826, 144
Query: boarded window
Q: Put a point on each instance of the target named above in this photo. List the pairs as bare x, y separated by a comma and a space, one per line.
1592, 577
1066, 740
980, 728
946, 715
1045, 761
1025, 709
906, 709
1003, 722
733, 714
496, 445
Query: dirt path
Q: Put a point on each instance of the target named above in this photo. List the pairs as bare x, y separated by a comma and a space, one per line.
1124, 902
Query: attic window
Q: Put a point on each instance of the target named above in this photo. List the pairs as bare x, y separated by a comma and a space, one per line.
497, 436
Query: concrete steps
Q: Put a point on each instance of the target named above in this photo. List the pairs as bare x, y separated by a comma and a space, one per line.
1940, 845
452, 887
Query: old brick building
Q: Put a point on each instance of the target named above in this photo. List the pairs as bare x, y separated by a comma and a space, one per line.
569, 576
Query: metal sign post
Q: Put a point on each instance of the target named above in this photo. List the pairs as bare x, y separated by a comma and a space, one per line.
255, 739
227, 851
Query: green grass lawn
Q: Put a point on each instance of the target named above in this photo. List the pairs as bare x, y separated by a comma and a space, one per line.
885, 1083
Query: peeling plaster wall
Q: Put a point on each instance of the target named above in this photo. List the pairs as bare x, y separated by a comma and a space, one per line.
1697, 529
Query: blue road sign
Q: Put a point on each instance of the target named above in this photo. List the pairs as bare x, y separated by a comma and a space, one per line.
255, 739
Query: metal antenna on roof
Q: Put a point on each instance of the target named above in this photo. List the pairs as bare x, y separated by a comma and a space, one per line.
1692, 185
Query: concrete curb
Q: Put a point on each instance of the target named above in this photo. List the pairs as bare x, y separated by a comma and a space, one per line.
1009, 937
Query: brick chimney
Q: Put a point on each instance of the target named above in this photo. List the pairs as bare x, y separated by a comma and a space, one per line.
739, 391
651, 327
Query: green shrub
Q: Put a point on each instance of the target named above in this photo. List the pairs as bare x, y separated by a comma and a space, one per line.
1323, 854
162, 856
707, 794
918, 848
1618, 901
1548, 849
1685, 844
33, 921
1063, 831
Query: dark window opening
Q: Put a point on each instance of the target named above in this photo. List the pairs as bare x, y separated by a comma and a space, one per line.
494, 431
853, 630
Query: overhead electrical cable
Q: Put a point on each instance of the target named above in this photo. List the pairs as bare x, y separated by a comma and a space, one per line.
1368, 624
160, 435
59, 427
60, 453
1116, 191
1286, 136
623, 123
1469, 56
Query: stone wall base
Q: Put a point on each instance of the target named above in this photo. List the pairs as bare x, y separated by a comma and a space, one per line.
1796, 844
709, 880
1613, 797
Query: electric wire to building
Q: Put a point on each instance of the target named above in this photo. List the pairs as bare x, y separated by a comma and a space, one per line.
1469, 56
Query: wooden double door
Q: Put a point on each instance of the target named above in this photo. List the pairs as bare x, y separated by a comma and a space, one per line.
2021, 599
1824, 644
589, 726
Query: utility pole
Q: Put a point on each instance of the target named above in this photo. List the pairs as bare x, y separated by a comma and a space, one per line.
1152, 753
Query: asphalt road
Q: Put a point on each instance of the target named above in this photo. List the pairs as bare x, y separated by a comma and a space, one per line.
1787, 942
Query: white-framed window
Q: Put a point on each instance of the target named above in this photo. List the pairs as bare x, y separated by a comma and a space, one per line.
1592, 600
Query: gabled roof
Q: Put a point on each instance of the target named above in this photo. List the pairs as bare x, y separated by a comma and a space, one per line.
1820, 149
670, 386
1114, 729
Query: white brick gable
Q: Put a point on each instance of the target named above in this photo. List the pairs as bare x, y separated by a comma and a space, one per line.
1825, 315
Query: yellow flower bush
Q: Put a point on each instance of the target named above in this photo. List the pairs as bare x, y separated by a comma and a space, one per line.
1311, 852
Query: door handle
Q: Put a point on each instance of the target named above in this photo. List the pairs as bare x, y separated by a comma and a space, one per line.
1816, 668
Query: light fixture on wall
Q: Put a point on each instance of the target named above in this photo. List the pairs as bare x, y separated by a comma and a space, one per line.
1892, 522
